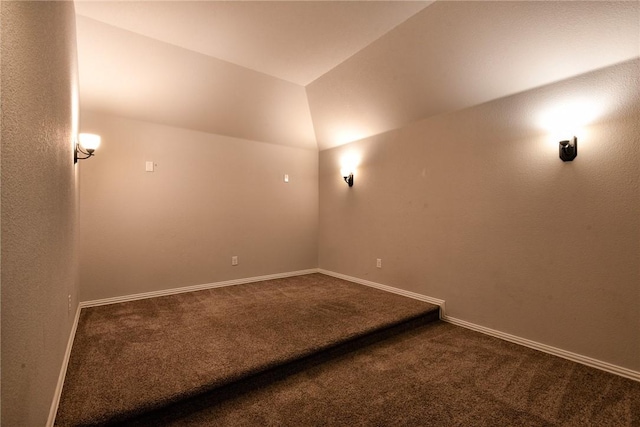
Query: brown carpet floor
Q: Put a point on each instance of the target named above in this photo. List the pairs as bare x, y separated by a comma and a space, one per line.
135, 357
434, 375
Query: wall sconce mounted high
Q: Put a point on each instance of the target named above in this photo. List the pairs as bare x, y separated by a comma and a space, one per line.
86, 144
568, 149
348, 165
348, 176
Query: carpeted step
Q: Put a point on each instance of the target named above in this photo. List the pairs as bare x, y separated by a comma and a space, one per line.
132, 358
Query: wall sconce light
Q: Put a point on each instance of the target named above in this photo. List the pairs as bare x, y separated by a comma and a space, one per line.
86, 144
348, 164
568, 149
348, 176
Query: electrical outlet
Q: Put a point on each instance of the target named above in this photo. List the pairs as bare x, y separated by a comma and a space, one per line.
379, 263
234, 260
69, 305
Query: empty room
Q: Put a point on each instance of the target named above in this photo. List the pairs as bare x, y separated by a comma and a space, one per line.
303, 213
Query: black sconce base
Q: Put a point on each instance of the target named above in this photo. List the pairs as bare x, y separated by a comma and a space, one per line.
569, 149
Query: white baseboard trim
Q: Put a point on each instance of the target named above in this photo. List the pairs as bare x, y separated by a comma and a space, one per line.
391, 289
173, 291
574, 357
63, 371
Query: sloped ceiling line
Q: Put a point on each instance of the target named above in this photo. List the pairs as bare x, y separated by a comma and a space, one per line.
319, 74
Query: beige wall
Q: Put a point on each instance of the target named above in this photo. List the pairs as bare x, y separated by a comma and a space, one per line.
211, 197
476, 208
39, 268
456, 54
127, 74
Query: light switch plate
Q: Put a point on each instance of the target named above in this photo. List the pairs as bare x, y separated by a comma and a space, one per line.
149, 166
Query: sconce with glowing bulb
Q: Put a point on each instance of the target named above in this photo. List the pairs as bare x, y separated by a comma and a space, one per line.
349, 162
86, 144
347, 174
568, 149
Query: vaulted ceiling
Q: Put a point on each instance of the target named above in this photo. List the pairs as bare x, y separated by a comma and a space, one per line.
320, 74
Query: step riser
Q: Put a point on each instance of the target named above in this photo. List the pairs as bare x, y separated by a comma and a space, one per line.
266, 377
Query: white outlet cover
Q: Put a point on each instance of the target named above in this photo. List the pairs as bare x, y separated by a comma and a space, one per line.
149, 166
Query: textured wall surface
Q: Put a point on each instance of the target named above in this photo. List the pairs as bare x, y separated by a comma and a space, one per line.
209, 198
476, 208
39, 268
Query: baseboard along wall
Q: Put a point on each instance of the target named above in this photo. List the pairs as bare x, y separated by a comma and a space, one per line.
420, 297
63, 371
173, 291
574, 357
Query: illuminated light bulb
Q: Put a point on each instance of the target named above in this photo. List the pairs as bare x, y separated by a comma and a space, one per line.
89, 141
